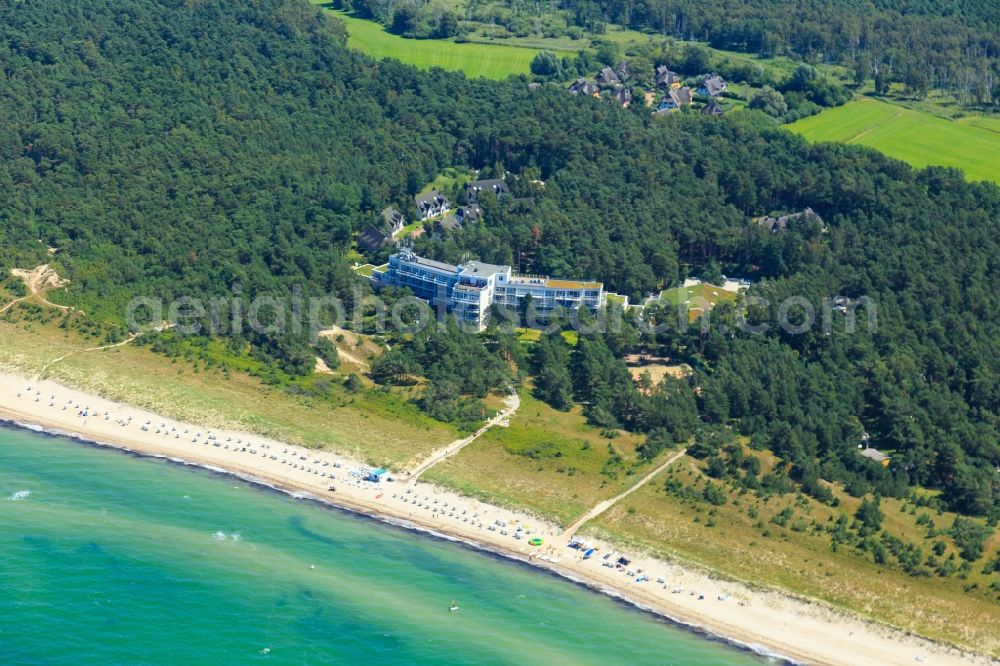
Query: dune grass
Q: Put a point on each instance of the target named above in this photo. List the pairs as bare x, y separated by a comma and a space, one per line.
738, 538
378, 426
554, 464
476, 60
971, 144
547, 461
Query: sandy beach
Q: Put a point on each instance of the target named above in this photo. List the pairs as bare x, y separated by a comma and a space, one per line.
764, 620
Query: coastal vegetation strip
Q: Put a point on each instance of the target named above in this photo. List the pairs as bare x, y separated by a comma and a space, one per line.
608, 504
372, 425
511, 406
559, 475
548, 461
759, 617
787, 542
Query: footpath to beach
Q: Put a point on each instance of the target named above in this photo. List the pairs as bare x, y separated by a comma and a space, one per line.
607, 504
765, 620
513, 403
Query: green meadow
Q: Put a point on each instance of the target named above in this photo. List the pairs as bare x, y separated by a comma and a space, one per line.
497, 56
971, 144
476, 60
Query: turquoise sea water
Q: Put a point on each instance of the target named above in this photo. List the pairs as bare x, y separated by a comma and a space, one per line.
107, 558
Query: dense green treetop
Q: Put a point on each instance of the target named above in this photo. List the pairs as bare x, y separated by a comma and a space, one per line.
177, 148
953, 46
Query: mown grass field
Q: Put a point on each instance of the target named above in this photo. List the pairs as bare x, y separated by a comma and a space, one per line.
491, 52
971, 144
738, 538
476, 60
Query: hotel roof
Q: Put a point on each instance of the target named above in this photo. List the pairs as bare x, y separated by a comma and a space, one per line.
573, 284
542, 281
479, 268
430, 263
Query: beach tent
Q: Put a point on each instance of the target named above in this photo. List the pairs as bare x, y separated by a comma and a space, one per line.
378, 475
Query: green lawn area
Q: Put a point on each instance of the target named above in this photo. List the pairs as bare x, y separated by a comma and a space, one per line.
617, 299
367, 270
534, 335
921, 139
449, 177
476, 60
410, 228
696, 297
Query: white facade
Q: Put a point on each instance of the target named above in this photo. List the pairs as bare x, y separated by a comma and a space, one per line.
468, 290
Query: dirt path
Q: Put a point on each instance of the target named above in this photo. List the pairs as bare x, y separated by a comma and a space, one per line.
363, 345
513, 404
41, 373
322, 368
607, 504
13, 303
351, 358
39, 281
